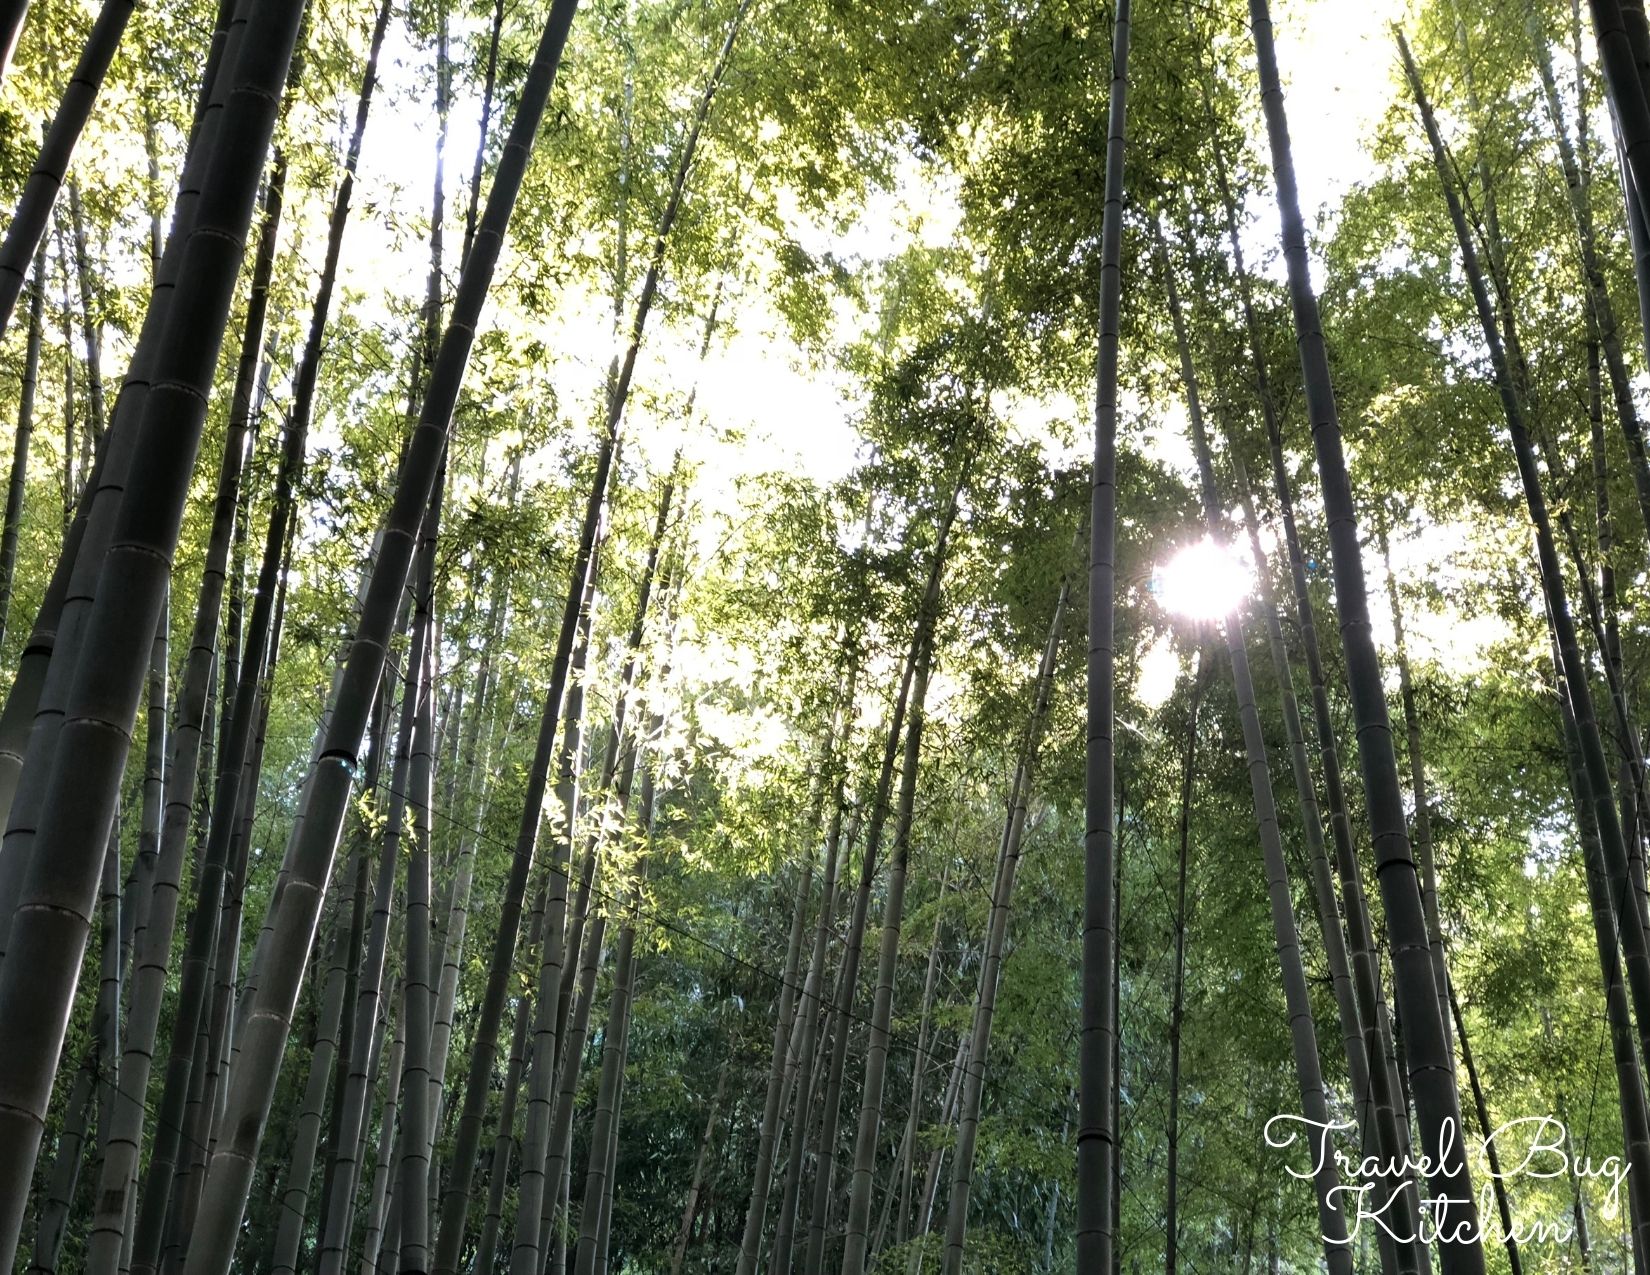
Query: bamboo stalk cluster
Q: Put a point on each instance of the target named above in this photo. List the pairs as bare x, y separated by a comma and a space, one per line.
403, 932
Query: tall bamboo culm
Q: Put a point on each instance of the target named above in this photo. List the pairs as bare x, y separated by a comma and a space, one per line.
284, 949
37, 983
1096, 1122
1432, 1079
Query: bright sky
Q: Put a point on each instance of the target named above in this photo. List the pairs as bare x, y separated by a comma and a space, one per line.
1339, 66
1334, 56
1337, 62
1338, 58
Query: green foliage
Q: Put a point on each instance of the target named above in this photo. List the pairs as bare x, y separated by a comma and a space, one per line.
894, 215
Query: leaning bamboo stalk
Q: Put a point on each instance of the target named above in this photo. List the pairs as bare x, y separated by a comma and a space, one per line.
615, 740
1356, 980
490, 83
595, 1220
1619, 60
1599, 303
1610, 635
841, 1006
1323, 889
1417, 782
18, 480
34, 707
558, 1158
215, 1037
756, 1207
1437, 1104
1509, 1236
310, 852
307, 1134
936, 1158
26, 231
1177, 994
53, 1221
38, 979
1600, 316
526, 1253
1635, 943
690, 1209
235, 738
152, 943
89, 328
1630, 1093
585, 953
504, 1143
456, 1202
985, 1004
255, 973
1634, 808
418, 991
858, 1226
135, 919
372, 1238
1303, 1041
1390, 1128
919, 1075
452, 955
1357, 1036
810, 1009
228, 969
333, 1243
898, 1197
558, 1172
74, 486
359, 873
598, 1182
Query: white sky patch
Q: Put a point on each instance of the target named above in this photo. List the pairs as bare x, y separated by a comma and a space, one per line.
1337, 62
786, 413
763, 406
794, 417
397, 173
1159, 670
1457, 642
760, 404
924, 207
1167, 437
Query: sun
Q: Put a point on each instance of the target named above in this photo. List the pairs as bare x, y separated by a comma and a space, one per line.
1204, 581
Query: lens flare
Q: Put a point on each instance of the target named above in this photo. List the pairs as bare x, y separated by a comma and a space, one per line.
1204, 581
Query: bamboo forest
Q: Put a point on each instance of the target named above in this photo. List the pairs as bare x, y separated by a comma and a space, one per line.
782, 637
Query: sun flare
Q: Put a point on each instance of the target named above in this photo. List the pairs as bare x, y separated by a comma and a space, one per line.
1204, 581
